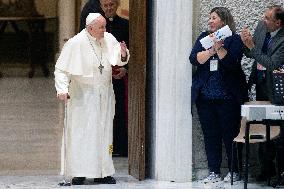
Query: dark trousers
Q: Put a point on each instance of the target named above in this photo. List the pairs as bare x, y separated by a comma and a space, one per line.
266, 158
275, 151
120, 137
220, 121
280, 151
275, 147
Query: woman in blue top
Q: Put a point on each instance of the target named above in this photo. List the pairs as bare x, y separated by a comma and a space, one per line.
219, 88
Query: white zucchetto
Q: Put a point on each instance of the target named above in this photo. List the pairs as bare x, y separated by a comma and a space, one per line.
91, 17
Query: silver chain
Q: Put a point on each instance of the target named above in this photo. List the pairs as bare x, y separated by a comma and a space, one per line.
101, 67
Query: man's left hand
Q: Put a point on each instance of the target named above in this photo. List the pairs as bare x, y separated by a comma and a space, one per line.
121, 72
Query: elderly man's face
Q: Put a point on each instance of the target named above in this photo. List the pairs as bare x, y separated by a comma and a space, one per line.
109, 7
98, 29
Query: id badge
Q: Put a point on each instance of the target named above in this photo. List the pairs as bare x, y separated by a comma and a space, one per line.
213, 65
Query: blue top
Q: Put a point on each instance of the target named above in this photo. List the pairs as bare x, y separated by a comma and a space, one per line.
214, 87
228, 81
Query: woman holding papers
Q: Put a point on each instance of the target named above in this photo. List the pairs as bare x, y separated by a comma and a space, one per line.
219, 88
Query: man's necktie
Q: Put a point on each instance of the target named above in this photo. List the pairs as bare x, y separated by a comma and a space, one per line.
266, 43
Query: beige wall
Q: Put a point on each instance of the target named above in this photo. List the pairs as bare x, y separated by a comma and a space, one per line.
47, 7
124, 9
124, 4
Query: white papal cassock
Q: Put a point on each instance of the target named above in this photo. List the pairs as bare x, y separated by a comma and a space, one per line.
87, 138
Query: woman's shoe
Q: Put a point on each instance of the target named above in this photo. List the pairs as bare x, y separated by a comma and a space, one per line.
212, 178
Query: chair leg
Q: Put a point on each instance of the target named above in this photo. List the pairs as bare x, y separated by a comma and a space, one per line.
232, 162
268, 168
247, 154
240, 159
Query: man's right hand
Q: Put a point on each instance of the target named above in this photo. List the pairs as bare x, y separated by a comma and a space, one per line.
247, 38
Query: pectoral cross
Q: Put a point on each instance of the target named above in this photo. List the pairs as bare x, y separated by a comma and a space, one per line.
101, 67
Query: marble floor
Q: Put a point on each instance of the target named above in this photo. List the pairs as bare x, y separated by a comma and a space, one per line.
124, 181
30, 131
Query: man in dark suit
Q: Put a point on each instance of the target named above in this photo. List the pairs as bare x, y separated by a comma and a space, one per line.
266, 47
119, 28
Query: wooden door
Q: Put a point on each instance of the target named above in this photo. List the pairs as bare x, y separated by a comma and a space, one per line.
136, 88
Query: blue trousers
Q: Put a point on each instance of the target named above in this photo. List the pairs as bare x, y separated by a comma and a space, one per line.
220, 121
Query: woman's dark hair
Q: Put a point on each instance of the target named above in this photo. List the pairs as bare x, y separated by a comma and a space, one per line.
226, 16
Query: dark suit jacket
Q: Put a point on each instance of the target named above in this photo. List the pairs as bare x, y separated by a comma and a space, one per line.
272, 60
119, 28
233, 77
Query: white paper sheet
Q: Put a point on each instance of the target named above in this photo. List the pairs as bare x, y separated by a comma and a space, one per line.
221, 34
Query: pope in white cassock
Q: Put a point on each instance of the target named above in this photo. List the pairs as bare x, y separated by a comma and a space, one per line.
83, 72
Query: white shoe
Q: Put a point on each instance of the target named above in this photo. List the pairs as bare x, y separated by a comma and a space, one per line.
212, 178
228, 177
